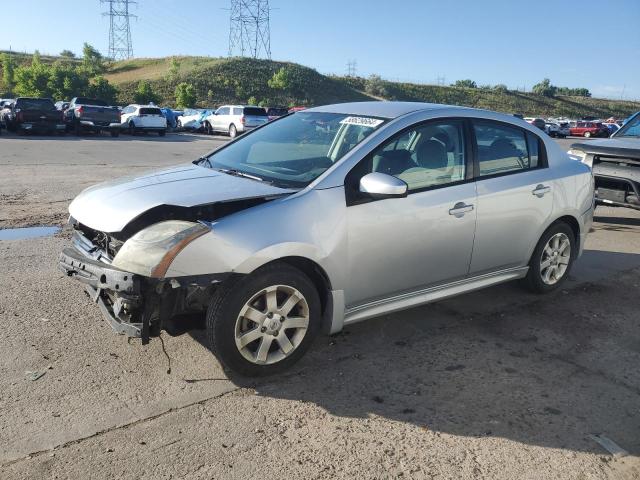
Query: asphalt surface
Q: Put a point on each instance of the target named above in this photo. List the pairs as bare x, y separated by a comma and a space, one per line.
495, 384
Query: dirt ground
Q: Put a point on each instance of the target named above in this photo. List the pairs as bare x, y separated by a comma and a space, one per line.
497, 384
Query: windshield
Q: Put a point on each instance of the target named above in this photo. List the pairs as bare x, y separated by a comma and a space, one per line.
35, 104
631, 128
295, 150
90, 101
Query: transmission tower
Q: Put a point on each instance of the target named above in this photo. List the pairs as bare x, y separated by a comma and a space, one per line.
249, 32
120, 45
352, 67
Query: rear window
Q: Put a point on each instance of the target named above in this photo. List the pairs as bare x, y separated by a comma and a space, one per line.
255, 111
35, 104
90, 101
150, 111
277, 112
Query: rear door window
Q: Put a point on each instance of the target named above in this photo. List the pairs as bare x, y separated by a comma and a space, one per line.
224, 111
505, 149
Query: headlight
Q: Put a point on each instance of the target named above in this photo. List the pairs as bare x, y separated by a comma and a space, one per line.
577, 155
150, 251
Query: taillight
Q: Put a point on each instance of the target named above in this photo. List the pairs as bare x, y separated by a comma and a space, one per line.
242, 120
79, 111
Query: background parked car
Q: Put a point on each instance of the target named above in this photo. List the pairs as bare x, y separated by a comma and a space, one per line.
61, 106
34, 114
192, 118
613, 127
537, 122
143, 118
276, 112
92, 114
170, 116
564, 130
589, 129
234, 119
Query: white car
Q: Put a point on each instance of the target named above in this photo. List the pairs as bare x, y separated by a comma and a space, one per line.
143, 118
234, 119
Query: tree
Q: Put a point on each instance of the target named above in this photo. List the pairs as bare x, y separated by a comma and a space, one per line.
281, 80
174, 70
67, 54
92, 60
501, 87
375, 86
102, 89
144, 93
544, 88
467, 83
66, 81
33, 80
36, 59
185, 95
8, 73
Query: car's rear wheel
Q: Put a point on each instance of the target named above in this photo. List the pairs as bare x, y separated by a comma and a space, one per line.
233, 131
207, 128
264, 322
162, 133
115, 133
587, 134
552, 259
132, 128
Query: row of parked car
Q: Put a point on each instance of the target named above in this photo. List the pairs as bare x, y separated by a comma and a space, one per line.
81, 114
561, 128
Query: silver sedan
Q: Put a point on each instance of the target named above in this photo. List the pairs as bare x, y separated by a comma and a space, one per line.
327, 217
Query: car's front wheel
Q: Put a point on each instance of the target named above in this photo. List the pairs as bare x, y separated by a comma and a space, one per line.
587, 134
552, 259
264, 322
233, 131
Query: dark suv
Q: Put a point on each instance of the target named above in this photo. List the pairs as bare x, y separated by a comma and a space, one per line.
616, 165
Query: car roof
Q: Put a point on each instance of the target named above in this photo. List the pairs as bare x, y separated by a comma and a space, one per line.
380, 109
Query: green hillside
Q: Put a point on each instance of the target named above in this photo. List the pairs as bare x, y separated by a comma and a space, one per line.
243, 80
238, 80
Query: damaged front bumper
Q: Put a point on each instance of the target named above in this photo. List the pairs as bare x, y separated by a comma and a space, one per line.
117, 293
135, 305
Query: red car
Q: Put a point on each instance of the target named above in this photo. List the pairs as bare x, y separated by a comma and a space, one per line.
589, 129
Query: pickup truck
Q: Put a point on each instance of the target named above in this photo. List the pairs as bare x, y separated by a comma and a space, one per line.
33, 114
92, 114
615, 163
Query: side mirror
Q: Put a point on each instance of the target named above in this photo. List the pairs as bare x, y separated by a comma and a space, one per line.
380, 185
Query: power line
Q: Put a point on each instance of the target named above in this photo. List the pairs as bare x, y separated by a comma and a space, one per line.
249, 32
120, 44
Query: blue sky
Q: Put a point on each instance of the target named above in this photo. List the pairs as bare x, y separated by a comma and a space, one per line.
580, 43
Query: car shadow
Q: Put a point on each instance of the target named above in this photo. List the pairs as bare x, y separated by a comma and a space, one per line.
145, 137
627, 221
540, 370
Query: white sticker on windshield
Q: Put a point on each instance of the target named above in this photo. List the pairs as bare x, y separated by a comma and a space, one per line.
362, 121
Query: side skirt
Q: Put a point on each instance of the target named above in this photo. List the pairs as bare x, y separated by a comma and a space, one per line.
431, 294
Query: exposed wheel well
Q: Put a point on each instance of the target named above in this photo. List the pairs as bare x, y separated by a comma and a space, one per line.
315, 273
573, 223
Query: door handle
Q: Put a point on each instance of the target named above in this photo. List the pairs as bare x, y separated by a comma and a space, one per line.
540, 190
460, 208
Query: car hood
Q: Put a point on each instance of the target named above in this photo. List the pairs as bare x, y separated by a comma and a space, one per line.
110, 206
621, 146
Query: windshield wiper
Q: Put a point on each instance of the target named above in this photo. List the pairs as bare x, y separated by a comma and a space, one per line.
238, 173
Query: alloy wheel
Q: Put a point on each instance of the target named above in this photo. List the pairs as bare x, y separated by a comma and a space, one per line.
555, 259
272, 324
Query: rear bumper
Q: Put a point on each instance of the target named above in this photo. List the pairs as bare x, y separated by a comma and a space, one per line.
94, 124
42, 126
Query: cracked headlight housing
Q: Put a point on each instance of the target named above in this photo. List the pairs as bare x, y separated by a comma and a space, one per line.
150, 251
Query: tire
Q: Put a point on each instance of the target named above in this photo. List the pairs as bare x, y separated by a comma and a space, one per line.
20, 131
226, 325
543, 280
77, 130
587, 134
115, 133
132, 128
233, 131
162, 133
207, 128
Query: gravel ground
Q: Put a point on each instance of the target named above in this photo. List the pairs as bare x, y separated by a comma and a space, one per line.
495, 384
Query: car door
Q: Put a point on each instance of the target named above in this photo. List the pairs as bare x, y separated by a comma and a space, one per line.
514, 195
403, 244
220, 119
